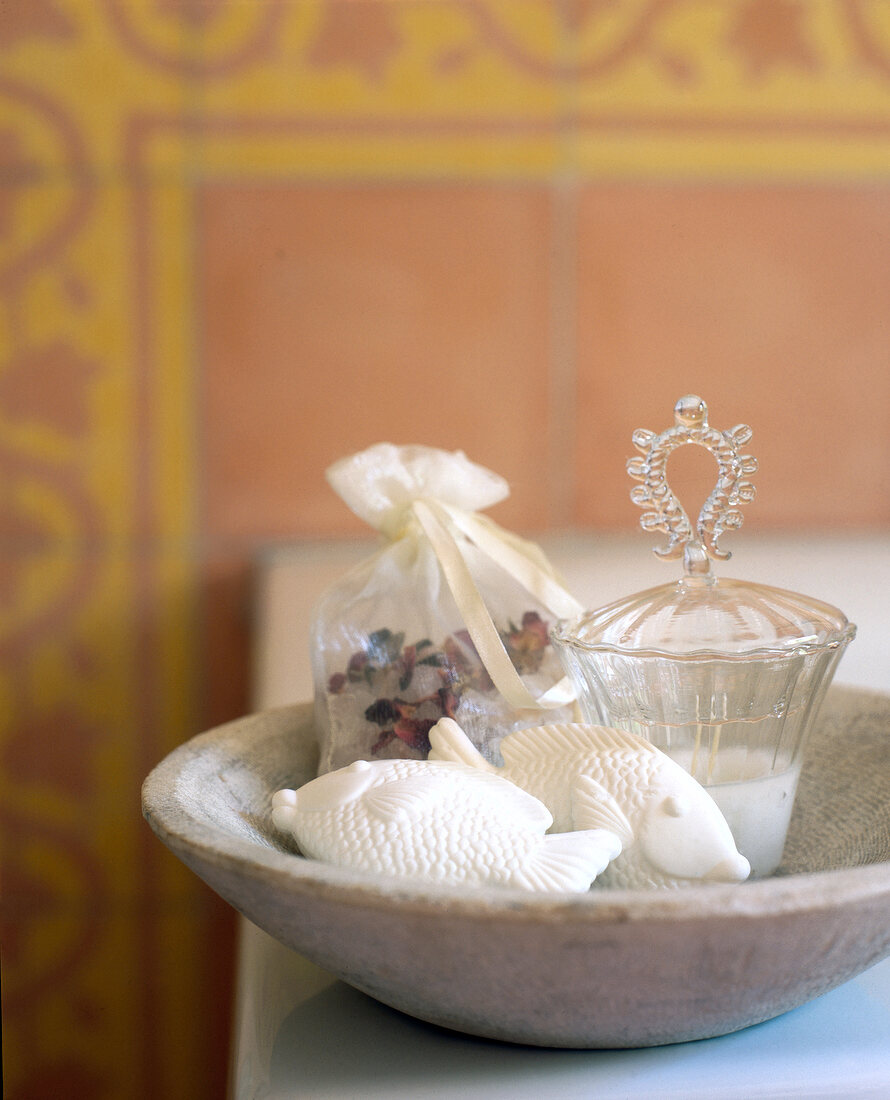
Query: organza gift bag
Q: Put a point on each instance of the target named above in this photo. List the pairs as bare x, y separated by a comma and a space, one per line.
449, 618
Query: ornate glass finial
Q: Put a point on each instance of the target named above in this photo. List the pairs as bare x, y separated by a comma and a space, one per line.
720, 511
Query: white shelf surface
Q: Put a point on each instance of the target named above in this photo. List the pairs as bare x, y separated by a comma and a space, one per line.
301, 1033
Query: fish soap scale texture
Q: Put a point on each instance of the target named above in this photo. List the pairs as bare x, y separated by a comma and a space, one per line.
670, 831
439, 821
548, 757
409, 844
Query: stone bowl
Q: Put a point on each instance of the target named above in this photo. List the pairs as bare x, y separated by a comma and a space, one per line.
610, 968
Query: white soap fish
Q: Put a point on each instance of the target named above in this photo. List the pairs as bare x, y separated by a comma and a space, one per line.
440, 822
590, 777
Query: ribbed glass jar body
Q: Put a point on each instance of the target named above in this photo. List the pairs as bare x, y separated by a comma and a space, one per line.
725, 678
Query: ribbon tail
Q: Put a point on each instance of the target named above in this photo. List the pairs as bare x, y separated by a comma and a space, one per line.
522, 560
436, 525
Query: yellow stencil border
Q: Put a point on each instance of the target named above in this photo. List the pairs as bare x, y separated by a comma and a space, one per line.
590, 147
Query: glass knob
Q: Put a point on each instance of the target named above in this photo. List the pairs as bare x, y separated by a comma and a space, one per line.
720, 511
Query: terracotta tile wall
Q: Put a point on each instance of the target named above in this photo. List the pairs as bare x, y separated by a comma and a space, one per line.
240, 240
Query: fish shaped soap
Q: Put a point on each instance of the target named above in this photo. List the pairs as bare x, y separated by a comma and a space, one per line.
590, 777
440, 822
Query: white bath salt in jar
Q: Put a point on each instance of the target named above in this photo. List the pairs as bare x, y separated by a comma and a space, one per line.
723, 675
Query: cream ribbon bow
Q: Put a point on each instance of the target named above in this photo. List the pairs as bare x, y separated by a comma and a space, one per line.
447, 528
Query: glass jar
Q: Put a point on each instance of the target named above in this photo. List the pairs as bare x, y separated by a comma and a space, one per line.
724, 676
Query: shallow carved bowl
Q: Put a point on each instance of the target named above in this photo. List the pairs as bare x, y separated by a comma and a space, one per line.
611, 968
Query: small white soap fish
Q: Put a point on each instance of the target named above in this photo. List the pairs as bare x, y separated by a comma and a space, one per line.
590, 777
439, 822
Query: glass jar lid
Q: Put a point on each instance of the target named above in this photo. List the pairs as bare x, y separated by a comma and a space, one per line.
726, 618
701, 614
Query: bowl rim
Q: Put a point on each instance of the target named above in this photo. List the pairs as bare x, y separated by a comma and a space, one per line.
174, 821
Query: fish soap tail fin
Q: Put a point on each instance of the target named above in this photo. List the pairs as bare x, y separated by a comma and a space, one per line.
569, 862
449, 742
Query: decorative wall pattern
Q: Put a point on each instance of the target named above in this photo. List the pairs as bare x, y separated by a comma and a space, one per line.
240, 239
